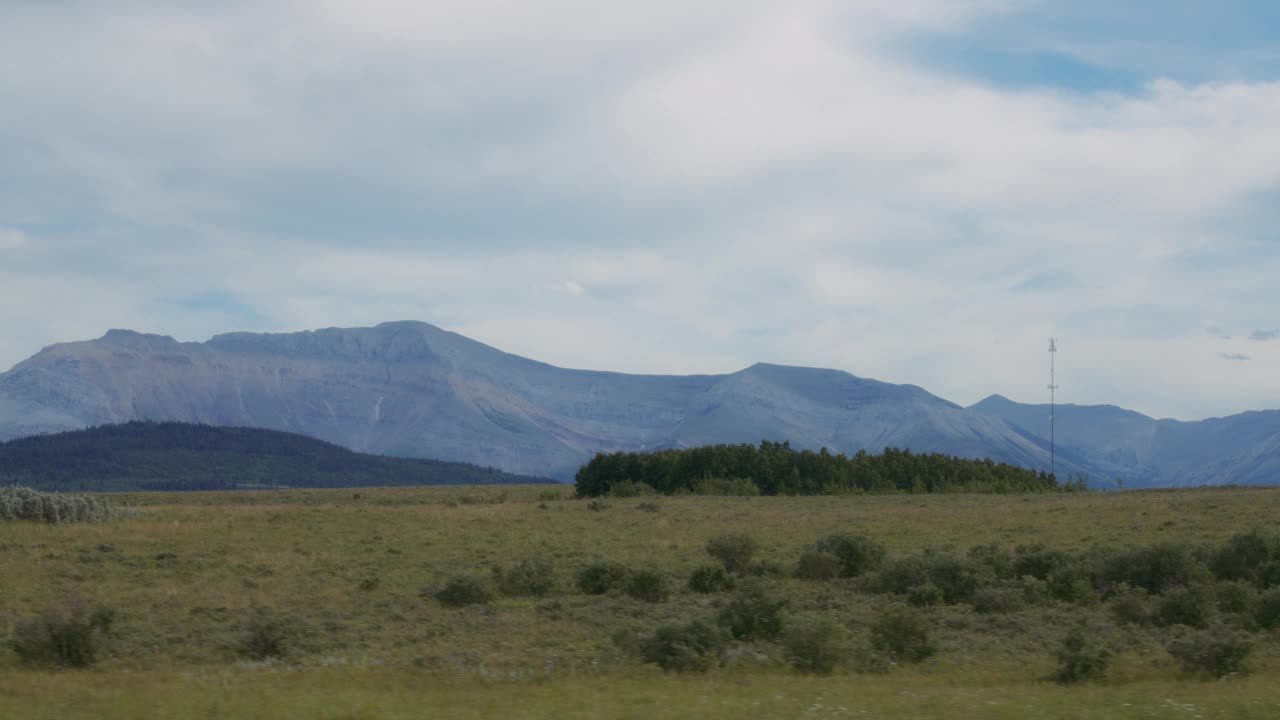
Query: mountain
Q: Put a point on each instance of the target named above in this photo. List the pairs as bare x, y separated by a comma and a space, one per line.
181, 456
411, 389
1141, 451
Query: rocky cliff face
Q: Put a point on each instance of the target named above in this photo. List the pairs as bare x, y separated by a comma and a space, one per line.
414, 390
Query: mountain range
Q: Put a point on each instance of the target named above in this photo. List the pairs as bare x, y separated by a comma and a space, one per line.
414, 390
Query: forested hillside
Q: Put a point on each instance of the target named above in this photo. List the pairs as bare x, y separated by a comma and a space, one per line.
180, 456
776, 469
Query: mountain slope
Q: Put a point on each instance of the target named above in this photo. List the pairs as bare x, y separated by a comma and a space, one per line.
1141, 451
411, 389
181, 456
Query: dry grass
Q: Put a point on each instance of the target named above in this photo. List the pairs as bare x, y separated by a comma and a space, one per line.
185, 572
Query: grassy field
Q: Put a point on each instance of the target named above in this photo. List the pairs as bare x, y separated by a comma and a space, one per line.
353, 571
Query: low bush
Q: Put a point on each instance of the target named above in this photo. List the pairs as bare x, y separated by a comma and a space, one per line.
1244, 555
733, 550
1130, 606
1235, 596
266, 634
858, 553
23, 503
1082, 655
998, 600
463, 590
815, 645
602, 576
691, 647
1038, 561
534, 577
1267, 613
1216, 652
903, 635
726, 487
710, 579
1184, 606
1071, 583
1154, 568
754, 612
817, 565
957, 577
648, 585
926, 595
71, 636
629, 489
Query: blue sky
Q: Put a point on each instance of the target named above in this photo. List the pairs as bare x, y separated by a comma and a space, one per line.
921, 191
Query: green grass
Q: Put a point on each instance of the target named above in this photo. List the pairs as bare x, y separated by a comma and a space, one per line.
186, 572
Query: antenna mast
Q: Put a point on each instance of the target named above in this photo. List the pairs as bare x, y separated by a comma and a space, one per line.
1053, 351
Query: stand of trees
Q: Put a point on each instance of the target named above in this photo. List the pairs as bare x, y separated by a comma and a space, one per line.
776, 469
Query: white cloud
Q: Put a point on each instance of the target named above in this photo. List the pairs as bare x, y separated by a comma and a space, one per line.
683, 187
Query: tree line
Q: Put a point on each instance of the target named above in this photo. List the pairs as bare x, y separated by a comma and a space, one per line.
773, 468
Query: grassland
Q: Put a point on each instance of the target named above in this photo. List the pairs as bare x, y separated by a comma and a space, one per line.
352, 571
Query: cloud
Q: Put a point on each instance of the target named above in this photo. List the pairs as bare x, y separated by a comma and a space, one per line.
660, 187
11, 239
1233, 356
1264, 335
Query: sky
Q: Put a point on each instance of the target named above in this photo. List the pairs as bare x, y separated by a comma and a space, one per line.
917, 191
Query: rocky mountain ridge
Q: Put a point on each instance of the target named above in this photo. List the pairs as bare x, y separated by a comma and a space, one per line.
412, 389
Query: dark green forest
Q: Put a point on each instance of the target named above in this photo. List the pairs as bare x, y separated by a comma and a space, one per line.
776, 469
181, 456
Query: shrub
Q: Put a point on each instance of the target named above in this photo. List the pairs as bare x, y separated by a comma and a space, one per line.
710, 579
726, 487
816, 645
1071, 582
754, 612
1184, 606
1082, 655
994, 558
1038, 561
767, 568
926, 595
1217, 652
900, 576
69, 637
23, 503
1245, 554
1154, 568
629, 489
266, 634
1129, 606
1235, 596
733, 550
817, 565
858, 553
957, 577
1000, 600
602, 576
692, 647
902, 633
534, 577
1268, 611
648, 585
462, 590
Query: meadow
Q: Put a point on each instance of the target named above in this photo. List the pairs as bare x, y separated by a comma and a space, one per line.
347, 582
